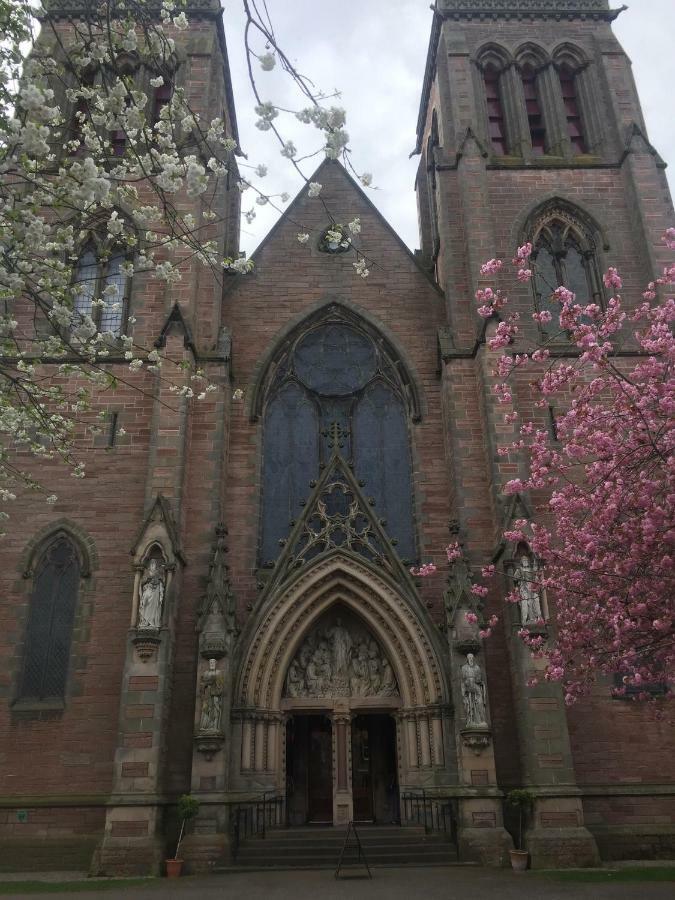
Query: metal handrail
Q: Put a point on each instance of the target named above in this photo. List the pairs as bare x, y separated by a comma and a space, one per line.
251, 818
432, 812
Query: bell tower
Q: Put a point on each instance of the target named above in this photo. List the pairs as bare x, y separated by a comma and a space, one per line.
530, 129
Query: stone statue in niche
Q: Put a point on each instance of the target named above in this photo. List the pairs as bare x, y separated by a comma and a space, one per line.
340, 660
525, 579
212, 686
151, 594
473, 693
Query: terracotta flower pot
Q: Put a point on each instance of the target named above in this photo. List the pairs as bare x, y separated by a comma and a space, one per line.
519, 860
174, 867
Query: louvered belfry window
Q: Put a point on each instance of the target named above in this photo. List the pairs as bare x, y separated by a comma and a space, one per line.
50, 621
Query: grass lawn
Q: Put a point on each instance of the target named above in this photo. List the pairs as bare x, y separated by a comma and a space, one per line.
657, 873
62, 887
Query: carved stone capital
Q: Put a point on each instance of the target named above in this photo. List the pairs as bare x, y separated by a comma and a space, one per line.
146, 641
213, 645
209, 744
467, 645
476, 739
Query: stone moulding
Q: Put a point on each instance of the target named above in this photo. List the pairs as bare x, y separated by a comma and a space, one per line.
536, 6
518, 9
65, 8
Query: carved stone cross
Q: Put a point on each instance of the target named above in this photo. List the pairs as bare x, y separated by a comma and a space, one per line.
336, 435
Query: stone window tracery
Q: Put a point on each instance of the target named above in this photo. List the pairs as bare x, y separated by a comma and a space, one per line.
564, 256
336, 373
98, 269
56, 582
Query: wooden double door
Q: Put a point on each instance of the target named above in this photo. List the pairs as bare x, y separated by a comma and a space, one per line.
309, 770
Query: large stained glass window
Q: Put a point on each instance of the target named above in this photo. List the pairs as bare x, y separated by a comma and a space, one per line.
335, 372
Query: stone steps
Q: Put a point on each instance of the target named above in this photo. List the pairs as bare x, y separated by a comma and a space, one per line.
320, 848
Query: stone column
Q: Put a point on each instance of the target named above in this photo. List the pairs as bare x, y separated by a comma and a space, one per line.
343, 801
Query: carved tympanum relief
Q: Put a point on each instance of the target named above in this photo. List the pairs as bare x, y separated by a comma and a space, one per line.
340, 658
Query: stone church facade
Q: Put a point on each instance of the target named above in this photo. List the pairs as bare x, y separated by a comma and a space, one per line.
224, 606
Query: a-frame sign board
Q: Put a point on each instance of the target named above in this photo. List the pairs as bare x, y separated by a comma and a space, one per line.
352, 841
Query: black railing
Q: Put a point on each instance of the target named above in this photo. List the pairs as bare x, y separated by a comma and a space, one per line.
253, 818
432, 813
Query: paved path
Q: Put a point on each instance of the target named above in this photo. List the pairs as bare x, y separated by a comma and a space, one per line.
387, 884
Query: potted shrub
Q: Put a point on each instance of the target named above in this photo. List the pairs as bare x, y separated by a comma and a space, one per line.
188, 808
522, 801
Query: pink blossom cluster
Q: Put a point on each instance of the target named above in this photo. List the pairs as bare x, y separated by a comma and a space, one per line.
607, 550
491, 267
423, 571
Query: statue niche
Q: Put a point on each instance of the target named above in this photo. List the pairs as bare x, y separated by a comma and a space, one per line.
340, 658
152, 589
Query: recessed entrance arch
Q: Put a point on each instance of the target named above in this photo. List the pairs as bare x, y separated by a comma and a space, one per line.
342, 641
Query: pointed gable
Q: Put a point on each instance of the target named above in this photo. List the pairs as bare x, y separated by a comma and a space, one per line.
338, 516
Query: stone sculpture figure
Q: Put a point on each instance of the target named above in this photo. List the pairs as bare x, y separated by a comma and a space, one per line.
388, 686
374, 677
359, 680
212, 687
341, 643
530, 601
473, 693
295, 686
151, 600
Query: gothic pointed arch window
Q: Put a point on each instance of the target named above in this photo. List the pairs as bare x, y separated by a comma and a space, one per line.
51, 616
99, 275
565, 255
336, 371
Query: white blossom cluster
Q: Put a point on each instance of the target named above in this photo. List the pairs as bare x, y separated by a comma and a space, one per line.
100, 184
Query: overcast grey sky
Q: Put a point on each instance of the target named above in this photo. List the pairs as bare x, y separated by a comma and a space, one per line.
374, 51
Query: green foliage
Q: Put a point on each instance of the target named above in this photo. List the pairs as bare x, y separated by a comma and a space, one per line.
188, 807
521, 799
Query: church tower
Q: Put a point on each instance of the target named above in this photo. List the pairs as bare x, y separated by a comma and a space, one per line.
530, 129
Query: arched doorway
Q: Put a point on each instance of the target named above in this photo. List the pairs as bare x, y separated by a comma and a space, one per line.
340, 676
341, 697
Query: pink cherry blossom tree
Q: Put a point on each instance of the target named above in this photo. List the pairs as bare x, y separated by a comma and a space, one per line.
605, 534
602, 481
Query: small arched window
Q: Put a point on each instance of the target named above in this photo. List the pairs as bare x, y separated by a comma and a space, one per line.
51, 616
564, 256
535, 113
98, 275
575, 128
336, 373
495, 110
